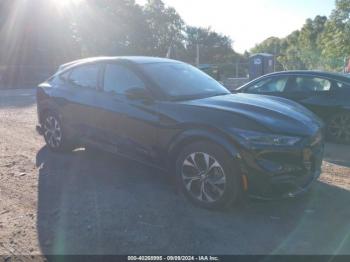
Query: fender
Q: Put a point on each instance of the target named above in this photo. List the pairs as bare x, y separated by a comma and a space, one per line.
47, 105
191, 135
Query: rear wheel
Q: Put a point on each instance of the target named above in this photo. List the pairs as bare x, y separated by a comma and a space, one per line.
54, 134
207, 176
339, 128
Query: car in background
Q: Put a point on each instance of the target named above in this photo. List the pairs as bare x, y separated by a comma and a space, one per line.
212, 70
326, 94
173, 116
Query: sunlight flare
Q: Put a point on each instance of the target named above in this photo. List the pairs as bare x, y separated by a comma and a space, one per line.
63, 4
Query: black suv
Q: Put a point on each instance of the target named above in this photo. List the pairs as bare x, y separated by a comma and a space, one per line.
169, 114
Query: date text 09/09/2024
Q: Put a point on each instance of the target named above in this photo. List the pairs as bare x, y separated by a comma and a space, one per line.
173, 258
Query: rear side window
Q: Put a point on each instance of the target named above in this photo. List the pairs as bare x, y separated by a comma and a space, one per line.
118, 79
85, 76
270, 85
303, 84
343, 86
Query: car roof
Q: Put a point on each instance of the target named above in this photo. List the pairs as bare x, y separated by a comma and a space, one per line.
132, 59
331, 75
334, 75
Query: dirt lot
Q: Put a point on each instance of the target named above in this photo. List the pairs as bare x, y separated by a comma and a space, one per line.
95, 203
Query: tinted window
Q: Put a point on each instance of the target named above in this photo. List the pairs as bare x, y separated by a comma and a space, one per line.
64, 76
343, 86
270, 85
85, 76
310, 84
182, 81
118, 79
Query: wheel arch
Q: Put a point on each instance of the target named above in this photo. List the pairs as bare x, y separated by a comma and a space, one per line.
45, 108
195, 135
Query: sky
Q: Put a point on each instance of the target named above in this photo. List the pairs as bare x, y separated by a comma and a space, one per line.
249, 22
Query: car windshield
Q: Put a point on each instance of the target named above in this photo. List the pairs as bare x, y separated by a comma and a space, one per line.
182, 81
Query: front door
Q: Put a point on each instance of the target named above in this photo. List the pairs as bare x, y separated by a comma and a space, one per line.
273, 86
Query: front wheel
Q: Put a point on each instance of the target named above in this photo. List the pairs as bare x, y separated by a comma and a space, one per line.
339, 128
54, 134
207, 175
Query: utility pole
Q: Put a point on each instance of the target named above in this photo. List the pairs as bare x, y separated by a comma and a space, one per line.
197, 55
168, 54
346, 65
274, 58
237, 69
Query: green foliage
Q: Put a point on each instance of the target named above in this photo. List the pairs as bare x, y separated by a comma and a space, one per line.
272, 45
335, 40
322, 43
165, 26
101, 27
213, 47
38, 32
309, 42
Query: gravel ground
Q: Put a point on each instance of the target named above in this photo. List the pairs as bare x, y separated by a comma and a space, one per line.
96, 203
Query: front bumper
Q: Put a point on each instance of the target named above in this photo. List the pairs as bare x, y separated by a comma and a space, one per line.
39, 130
282, 172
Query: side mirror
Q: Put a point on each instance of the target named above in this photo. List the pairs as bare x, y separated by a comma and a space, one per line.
138, 94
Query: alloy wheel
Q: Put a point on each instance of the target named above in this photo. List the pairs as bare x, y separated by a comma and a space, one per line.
339, 128
52, 131
203, 176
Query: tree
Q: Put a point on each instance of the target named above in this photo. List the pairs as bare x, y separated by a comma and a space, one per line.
111, 27
300, 49
309, 42
213, 47
291, 55
166, 28
272, 45
335, 41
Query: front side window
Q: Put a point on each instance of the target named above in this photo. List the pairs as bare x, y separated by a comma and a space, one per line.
271, 85
85, 76
65, 76
311, 84
118, 79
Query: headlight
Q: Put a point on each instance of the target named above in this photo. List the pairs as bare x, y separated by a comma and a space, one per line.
258, 138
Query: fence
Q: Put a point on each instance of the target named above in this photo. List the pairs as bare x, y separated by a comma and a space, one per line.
23, 76
232, 75
234, 83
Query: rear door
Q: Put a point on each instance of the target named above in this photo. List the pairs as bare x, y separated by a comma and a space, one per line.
133, 123
315, 93
77, 96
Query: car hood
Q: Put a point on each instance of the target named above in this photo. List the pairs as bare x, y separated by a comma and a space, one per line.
279, 115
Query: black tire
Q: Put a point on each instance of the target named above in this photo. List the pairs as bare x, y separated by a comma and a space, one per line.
216, 195
51, 121
338, 128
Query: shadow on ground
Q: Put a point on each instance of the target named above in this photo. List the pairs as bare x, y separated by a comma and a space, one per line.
338, 154
95, 203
